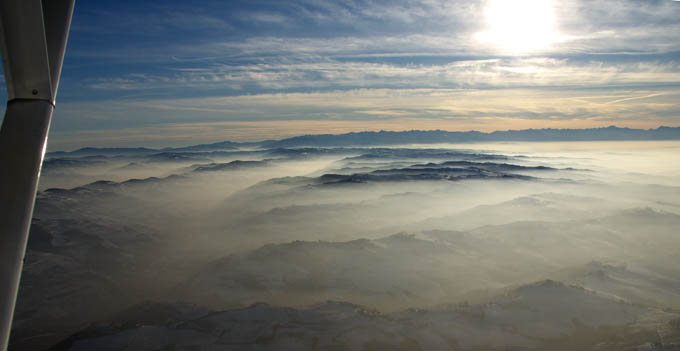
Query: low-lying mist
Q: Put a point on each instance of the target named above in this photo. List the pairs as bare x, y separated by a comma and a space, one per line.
521, 245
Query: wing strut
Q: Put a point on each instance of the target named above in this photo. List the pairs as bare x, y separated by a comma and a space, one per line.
33, 37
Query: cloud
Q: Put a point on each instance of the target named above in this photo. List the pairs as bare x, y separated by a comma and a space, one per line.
327, 74
384, 52
275, 115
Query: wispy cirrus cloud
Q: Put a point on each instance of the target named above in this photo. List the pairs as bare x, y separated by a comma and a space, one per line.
312, 75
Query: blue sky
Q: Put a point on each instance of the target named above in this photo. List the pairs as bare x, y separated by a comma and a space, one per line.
160, 73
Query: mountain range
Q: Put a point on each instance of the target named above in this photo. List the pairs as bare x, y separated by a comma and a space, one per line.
409, 137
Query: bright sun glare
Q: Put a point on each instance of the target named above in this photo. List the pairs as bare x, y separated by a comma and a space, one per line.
519, 26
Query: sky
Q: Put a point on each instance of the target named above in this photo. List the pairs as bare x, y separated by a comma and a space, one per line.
166, 73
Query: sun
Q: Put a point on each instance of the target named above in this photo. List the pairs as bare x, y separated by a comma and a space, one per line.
519, 26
